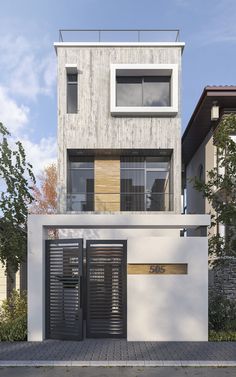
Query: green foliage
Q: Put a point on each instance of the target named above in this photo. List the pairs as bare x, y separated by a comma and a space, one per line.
220, 190
16, 177
13, 317
222, 314
222, 336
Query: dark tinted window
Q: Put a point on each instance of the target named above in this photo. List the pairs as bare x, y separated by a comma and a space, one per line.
143, 91
80, 183
72, 93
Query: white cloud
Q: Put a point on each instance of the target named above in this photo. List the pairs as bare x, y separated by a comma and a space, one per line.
12, 115
26, 71
40, 154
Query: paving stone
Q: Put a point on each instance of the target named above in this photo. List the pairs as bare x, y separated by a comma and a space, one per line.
118, 350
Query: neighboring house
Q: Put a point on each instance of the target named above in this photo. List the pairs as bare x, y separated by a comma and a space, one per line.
120, 266
200, 156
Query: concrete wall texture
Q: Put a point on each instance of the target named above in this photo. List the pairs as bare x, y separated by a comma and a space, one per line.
93, 127
170, 307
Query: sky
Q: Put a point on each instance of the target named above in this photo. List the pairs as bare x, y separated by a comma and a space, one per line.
28, 29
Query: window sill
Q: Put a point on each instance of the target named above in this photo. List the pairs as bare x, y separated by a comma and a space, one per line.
144, 111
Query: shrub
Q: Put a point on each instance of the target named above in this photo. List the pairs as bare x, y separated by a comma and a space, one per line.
222, 336
13, 317
222, 314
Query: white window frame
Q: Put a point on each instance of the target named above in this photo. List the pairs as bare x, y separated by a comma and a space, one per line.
148, 70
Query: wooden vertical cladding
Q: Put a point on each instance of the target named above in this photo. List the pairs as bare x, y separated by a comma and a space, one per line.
107, 183
159, 269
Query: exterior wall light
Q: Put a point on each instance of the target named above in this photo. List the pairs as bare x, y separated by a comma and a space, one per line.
215, 112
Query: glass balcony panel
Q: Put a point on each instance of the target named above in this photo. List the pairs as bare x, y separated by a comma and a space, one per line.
140, 202
80, 202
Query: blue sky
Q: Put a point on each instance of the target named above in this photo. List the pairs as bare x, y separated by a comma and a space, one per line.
28, 29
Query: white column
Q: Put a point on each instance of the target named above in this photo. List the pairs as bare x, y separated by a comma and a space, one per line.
36, 280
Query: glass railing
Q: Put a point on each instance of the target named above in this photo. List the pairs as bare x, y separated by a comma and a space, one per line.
115, 202
119, 35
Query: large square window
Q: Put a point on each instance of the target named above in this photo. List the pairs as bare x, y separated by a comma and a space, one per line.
144, 89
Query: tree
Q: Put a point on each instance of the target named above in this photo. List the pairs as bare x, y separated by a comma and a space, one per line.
45, 195
220, 191
16, 177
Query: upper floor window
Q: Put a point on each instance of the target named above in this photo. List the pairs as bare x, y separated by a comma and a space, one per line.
146, 183
144, 89
72, 93
80, 183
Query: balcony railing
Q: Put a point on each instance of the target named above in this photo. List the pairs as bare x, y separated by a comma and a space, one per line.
118, 35
115, 202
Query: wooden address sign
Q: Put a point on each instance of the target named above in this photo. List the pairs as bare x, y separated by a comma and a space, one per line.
160, 269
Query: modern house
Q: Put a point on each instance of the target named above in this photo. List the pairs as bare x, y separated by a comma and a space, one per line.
121, 267
199, 157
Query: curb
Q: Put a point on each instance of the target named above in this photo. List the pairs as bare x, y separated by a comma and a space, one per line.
117, 363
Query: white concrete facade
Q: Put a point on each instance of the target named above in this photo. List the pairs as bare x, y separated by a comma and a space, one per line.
170, 307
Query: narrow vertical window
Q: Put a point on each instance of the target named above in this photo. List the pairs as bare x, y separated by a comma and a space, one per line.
72, 93
80, 187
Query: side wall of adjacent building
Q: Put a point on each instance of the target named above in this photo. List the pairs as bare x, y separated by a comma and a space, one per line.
221, 279
202, 161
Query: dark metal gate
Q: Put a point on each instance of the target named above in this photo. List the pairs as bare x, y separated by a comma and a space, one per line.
64, 266
106, 289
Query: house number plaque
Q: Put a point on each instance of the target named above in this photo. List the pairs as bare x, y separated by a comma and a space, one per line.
157, 269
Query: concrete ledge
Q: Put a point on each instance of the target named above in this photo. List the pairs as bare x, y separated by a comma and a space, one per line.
118, 220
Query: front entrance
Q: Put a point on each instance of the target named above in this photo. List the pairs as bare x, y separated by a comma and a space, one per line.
92, 288
106, 289
64, 269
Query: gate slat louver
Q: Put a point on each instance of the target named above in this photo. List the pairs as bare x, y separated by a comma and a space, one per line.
106, 289
63, 289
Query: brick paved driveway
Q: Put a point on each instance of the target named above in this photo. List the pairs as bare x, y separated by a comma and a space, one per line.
117, 350
116, 372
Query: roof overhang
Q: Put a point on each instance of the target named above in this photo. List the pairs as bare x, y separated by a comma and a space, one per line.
200, 123
119, 44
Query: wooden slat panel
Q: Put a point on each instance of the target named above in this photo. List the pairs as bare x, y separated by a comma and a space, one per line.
160, 269
107, 184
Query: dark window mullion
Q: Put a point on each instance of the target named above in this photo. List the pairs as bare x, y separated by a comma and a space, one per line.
142, 89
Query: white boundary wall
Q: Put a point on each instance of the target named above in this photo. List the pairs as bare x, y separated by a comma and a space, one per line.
167, 307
